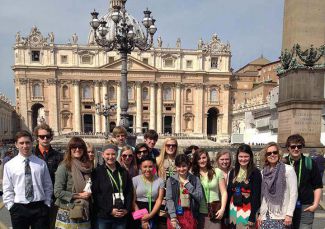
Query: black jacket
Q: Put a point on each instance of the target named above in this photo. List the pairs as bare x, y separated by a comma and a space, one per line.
102, 191
52, 159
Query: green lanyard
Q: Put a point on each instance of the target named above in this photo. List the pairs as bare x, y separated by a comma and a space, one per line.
119, 189
299, 172
149, 192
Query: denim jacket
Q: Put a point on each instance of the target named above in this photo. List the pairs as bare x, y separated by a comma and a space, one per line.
172, 194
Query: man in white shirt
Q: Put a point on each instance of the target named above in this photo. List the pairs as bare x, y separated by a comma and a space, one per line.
27, 187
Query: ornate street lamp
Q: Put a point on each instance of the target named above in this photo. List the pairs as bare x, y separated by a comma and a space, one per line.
106, 110
122, 36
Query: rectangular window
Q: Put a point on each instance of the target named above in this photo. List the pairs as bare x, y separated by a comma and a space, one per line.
168, 108
145, 60
145, 108
110, 59
64, 59
214, 62
87, 106
169, 63
189, 64
36, 56
86, 59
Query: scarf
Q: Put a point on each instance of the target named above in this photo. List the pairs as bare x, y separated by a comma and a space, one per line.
273, 186
80, 174
242, 175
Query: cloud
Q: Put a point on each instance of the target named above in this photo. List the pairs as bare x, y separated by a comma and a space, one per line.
252, 27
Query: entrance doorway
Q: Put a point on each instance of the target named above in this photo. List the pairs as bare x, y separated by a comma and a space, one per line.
168, 124
212, 121
38, 115
88, 123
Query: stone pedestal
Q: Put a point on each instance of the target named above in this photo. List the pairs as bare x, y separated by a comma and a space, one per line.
301, 98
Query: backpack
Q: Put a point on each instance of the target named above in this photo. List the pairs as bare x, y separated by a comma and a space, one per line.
308, 163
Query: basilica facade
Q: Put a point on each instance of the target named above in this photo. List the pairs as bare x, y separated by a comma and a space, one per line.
172, 90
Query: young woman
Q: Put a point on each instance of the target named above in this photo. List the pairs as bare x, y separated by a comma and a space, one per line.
70, 181
128, 161
166, 158
183, 196
244, 190
92, 154
212, 207
112, 191
141, 150
223, 160
149, 193
279, 190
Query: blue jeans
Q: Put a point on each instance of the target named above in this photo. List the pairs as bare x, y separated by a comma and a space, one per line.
116, 223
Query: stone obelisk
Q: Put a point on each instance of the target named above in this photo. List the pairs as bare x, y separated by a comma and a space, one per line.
301, 91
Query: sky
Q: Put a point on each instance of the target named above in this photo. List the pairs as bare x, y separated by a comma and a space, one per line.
252, 27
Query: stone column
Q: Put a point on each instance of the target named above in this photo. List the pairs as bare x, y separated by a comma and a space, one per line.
118, 103
138, 123
23, 103
104, 92
152, 124
199, 101
53, 105
159, 109
97, 100
77, 108
178, 109
225, 109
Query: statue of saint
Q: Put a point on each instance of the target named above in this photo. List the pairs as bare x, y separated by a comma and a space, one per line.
51, 36
74, 38
200, 44
18, 37
159, 42
178, 43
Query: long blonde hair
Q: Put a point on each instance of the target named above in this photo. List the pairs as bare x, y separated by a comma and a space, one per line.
160, 159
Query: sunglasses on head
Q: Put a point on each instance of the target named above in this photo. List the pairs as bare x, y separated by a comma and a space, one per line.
171, 145
272, 152
44, 136
124, 156
295, 146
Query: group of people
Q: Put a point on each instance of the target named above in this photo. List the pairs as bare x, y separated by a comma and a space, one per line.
143, 187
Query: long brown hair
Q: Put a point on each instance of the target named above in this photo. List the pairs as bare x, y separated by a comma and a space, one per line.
264, 151
133, 164
220, 154
251, 166
196, 166
67, 156
162, 156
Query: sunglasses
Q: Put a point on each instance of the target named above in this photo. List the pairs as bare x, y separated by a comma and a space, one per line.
79, 146
44, 136
142, 151
295, 146
125, 156
171, 145
272, 152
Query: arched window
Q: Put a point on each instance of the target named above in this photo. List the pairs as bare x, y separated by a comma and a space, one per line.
188, 95
86, 92
145, 93
65, 92
111, 93
37, 90
168, 93
213, 95
130, 92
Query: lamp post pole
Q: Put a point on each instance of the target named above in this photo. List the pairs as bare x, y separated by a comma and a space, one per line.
124, 39
106, 110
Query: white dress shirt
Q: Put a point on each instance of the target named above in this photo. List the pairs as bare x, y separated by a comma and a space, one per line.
14, 181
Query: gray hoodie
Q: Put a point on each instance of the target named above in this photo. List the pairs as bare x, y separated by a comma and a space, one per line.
172, 194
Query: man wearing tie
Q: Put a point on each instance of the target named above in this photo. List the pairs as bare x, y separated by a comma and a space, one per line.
27, 187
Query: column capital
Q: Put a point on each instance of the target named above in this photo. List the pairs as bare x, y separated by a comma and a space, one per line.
138, 83
52, 81
23, 81
97, 83
227, 86
179, 85
199, 86
75, 82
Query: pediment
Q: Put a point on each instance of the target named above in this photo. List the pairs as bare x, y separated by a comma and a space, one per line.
133, 65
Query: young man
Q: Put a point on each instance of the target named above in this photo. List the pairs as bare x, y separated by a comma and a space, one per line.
120, 134
44, 151
309, 183
151, 138
27, 186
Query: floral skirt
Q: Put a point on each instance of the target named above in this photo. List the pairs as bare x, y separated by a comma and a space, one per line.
63, 221
186, 221
272, 223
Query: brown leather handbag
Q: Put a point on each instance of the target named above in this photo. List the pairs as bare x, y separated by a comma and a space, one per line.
213, 208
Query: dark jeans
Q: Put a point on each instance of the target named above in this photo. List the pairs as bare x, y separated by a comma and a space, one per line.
34, 215
116, 223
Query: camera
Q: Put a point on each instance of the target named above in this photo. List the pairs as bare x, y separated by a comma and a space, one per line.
119, 203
